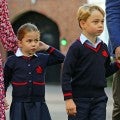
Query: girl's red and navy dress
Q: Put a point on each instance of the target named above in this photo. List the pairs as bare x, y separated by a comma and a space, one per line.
27, 76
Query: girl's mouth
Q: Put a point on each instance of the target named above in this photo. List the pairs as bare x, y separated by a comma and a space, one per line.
33, 49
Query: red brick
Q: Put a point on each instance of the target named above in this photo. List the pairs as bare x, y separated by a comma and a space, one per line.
63, 12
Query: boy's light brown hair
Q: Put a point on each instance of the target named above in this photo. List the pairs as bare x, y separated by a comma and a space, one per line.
86, 10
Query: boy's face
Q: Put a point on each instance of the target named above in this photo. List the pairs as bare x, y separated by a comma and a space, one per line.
30, 43
94, 25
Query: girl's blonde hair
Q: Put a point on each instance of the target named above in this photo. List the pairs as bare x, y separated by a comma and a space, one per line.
25, 28
86, 10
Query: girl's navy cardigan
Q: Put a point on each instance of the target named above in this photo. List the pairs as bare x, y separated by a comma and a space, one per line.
85, 70
27, 74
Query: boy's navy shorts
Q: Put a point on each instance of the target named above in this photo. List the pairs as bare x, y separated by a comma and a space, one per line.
90, 108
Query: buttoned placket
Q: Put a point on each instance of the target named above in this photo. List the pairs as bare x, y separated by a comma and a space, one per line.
29, 76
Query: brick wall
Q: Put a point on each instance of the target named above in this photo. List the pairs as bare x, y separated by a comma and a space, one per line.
62, 12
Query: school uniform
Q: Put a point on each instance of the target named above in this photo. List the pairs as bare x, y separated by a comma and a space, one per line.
27, 76
85, 69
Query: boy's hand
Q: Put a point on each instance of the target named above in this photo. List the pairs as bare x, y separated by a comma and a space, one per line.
42, 46
70, 107
6, 104
118, 61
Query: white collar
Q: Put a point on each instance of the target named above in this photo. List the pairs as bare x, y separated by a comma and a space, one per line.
83, 39
19, 53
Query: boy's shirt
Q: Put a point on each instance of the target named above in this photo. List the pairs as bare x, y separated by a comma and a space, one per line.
84, 39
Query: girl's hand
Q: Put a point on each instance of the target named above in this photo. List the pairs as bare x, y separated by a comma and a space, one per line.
42, 46
70, 107
6, 104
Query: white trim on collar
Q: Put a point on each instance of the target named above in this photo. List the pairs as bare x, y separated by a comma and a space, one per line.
19, 53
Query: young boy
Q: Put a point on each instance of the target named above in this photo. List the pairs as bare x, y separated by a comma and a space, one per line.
26, 72
86, 66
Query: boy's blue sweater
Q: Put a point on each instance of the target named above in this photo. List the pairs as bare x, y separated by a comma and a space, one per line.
27, 74
85, 70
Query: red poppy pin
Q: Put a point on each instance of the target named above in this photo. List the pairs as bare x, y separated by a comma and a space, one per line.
39, 69
104, 53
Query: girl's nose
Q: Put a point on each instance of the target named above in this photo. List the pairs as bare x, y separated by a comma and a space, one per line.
33, 43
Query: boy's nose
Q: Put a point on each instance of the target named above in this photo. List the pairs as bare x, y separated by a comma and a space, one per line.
101, 24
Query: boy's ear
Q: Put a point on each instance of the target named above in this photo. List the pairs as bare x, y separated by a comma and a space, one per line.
82, 24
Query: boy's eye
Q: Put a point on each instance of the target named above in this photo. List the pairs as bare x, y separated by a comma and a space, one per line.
103, 21
95, 22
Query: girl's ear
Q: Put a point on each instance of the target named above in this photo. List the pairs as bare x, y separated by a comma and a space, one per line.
19, 43
82, 24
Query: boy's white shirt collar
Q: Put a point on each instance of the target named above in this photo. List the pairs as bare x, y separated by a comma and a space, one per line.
84, 39
19, 53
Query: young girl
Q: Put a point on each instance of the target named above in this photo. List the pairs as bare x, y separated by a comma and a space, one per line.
86, 66
26, 72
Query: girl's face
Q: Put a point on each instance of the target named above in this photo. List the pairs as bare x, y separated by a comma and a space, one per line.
94, 25
30, 43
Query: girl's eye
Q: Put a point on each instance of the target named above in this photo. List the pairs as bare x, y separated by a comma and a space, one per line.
36, 40
29, 40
